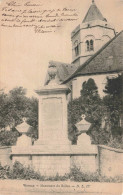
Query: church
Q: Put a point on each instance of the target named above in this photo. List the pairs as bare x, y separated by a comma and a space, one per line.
97, 52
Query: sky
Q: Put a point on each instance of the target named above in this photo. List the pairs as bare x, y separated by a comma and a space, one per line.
24, 55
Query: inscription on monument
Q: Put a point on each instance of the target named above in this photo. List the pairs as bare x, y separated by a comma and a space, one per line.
52, 117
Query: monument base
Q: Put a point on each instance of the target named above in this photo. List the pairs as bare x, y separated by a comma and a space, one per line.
51, 165
51, 160
56, 147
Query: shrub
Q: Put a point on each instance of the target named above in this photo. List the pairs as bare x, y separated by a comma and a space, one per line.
58, 178
18, 171
8, 138
77, 175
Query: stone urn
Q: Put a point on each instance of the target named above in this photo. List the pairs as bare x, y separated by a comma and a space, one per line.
83, 126
23, 140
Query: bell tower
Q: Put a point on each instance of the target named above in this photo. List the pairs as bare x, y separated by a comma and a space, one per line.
88, 37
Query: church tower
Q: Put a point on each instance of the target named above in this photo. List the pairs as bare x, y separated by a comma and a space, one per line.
90, 35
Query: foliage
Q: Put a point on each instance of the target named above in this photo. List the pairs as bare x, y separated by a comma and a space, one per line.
114, 86
77, 175
18, 171
57, 177
113, 102
116, 142
74, 113
89, 104
98, 111
8, 138
13, 107
32, 117
3, 105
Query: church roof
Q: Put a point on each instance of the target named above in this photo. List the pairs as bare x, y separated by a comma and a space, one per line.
93, 14
109, 59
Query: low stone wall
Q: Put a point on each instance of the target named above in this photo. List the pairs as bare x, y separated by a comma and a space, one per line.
47, 165
5, 152
107, 160
53, 164
110, 161
85, 163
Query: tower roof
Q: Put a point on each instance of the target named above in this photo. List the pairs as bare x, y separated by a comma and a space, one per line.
93, 13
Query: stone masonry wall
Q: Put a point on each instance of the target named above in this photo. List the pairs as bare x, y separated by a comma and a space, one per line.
5, 152
110, 161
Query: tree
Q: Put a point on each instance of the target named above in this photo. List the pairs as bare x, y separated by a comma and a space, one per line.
32, 115
94, 110
114, 86
8, 138
91, 101
3, 105
13, 107
113, 102
90, 104
74, 113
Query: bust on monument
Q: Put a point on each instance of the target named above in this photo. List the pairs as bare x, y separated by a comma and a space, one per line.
52, 72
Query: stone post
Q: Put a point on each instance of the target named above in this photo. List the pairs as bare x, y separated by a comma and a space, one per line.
23, 145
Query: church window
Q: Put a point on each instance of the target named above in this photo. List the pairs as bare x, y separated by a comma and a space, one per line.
87, 45
91, 45
76, 48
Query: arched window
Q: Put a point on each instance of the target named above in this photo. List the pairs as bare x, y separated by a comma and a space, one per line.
76, 48
87, 45
91, 45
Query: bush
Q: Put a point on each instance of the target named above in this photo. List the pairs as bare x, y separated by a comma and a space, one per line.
116, 142
8, 138
78, 176
58, 178
18, 171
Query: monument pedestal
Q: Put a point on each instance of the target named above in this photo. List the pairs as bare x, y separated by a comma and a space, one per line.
52, 146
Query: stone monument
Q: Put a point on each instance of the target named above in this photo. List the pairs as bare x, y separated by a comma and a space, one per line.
53, 124
52, 153
52, 145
